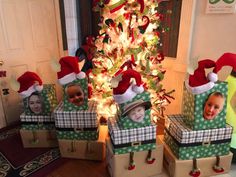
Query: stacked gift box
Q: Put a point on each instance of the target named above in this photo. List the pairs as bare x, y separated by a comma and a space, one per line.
78, 132
132, 147
37, 121
199, 138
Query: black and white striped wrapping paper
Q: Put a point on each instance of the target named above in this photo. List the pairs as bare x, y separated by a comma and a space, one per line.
76, 119
124, 136
184, 135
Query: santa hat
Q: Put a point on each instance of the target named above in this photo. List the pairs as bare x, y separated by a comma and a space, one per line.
127, 90
69, 70
29, 82
227, 59
198, 82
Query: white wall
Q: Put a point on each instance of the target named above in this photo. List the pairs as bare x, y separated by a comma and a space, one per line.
213, 35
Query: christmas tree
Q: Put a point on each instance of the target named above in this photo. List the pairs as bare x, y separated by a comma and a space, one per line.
129, 37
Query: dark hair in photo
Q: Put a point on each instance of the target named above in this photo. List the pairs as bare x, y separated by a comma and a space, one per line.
39, 97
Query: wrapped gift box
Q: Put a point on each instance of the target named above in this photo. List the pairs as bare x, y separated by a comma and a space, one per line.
118, 164
84, 149
78, 134
133, 139
193, 106
188, 144
47, 98
76, 119
68, 106
126, 122
38, 138
181, 168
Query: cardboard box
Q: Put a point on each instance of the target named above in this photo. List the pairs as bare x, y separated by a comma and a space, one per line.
182, 168
38, 138
76, 119
47, 98
83, 149
193, 106
117, 165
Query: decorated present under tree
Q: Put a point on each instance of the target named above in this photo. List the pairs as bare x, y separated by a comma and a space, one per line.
189, 144
131, 140
204, 99
75, 84
38, 99
76, 119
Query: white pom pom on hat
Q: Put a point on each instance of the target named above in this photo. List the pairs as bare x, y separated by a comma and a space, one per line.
69, 70
198, 83
29, 82
126, 89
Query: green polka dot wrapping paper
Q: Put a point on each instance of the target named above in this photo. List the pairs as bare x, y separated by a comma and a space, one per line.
48, 101
193, 106
68, 106
187, 144
127, 123
77, 134
38, 126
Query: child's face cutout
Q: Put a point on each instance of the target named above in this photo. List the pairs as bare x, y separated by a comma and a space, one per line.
137, 114
75, 95
213, 106
35, 104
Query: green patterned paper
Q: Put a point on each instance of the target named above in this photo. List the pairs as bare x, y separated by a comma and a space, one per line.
38, 126
125, 150
48, 100
193, 106
127, 123
67, 106
200, 151
78, 135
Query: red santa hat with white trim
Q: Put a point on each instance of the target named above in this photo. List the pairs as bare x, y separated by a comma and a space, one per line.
227, 59
29, 82
125, 89
69, 70
198, 82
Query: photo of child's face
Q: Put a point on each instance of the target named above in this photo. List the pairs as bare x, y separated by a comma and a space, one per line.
75, 95
213, 106
137, 114
35, 104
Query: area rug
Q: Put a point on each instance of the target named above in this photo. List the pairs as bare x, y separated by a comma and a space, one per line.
15, 160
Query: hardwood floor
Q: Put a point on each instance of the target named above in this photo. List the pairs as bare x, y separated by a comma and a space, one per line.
80, 168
